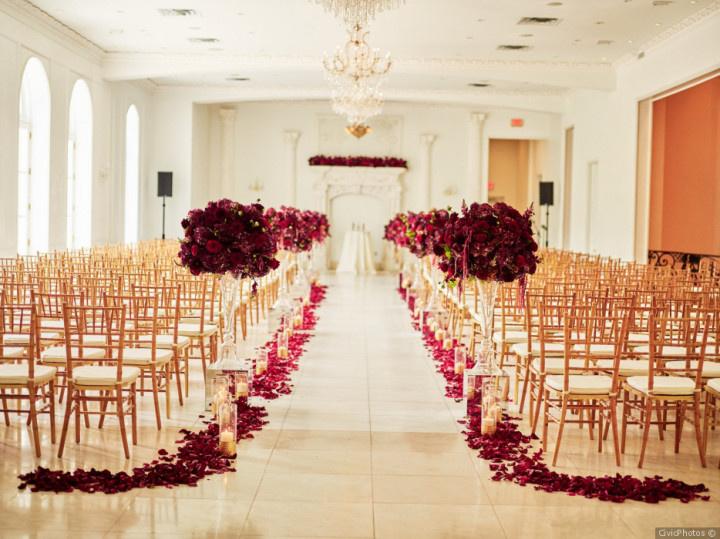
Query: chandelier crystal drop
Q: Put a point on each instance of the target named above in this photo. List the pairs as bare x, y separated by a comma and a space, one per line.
358, 11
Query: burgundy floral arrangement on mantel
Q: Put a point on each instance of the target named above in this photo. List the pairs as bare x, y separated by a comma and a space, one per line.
296, 230
356, 161
197, 455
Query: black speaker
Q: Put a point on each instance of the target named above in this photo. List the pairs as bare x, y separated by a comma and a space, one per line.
164, 184
546, 193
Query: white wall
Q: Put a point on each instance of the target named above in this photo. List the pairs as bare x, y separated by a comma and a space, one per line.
606, 131
65, 59
259, 155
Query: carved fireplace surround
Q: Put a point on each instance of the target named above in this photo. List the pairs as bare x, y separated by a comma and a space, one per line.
382, 182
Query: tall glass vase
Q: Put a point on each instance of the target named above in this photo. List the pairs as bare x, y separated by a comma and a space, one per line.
487, 294
228, 362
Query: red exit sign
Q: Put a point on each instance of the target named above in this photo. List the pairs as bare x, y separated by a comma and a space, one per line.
517, 122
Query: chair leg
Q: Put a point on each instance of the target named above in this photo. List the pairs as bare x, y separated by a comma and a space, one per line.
156, 395
51, 402
561, 427
646, 430
526, 381
167, 389
202, 354
540, 397
133, 416
121, 419
659, 415
178, 378
32, 392
5, 407
625, 412
600, 428
66, 421
187, 372
546, 423
614, 426
78, 407
103, 408
679, 423
698, 434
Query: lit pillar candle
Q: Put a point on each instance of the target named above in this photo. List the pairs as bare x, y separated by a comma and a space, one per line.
459, 368
489, 425
243, 390
260, 367
297, 323
228, 447
282, 352
439, 334
447, 343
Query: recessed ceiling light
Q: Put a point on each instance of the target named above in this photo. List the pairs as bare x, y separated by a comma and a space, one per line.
513, 47
554, 4
481, 20
468, 37
172, 12
237, 78
658, 24
604, 58
526, 35
541, 21
662, 2
479, 84
630, 41
203, 39
605, 41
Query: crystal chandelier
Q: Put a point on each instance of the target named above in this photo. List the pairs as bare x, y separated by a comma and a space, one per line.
356, 72
358, 11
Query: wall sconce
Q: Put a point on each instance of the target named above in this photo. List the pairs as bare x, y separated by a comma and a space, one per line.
450, 191
256, 186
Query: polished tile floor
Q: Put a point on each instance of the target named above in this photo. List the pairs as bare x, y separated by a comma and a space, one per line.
366, 446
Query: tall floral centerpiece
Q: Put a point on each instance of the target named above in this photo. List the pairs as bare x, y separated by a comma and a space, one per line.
491, 244
232, 240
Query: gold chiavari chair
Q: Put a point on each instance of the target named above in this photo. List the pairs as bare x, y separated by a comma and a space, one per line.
665, 387
114, 382
20, 374
582, 386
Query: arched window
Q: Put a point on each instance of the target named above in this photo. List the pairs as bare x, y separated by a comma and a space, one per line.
34, 160
79, 184
132, 174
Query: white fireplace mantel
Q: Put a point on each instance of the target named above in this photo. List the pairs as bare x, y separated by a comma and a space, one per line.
384, 183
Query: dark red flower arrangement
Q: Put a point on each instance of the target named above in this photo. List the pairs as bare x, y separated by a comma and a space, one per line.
488, 242
228, 236
197, 455
296, 230
513, 458
356, 161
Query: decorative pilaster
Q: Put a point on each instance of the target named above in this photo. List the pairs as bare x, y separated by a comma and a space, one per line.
427, 141
291, 140
477, 184
227, 152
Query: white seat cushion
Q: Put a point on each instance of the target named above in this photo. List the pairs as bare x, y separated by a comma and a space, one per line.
9, 352
711, 369
193, 330
24, 338
627, 367
18, 374
554, 348
596, 349
94, 339
164, 341
57, 354
582, 385
94, 375
511, 337
143, 356
714, 385
556, 365
52, 324
638, 337
663, 385
667, 350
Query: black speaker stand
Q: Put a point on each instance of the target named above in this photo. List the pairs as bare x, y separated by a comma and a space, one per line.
546, 227
163, 219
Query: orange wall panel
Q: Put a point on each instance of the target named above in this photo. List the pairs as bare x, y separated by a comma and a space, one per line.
685, 171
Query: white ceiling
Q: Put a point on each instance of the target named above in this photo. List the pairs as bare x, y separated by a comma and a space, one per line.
438, 45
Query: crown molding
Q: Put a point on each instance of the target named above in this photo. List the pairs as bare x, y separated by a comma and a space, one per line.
666, 35
32, 16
